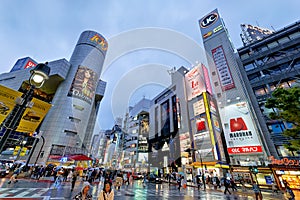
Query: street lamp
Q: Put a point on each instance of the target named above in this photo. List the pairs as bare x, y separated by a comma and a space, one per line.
38, 76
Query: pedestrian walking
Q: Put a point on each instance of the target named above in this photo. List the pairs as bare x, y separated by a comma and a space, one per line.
274, 188
73, 180
107, 193
179, 182
119, 181
58, 181
233, 185
84, 193
203, 181
198, 181
144, 180
14, 176
289, 194
227, 185
256, 191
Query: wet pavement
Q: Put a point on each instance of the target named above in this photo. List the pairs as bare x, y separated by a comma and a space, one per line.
43, 190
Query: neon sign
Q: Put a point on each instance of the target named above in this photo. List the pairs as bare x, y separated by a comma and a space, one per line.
99, 40
284, 161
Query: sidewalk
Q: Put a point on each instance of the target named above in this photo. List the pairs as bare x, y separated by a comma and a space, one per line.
248, 191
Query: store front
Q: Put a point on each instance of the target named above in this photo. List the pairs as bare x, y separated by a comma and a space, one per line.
286, 171
264, 177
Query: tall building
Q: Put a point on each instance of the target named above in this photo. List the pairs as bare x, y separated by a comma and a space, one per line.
247, 144
272, 62
75, 90
136, 135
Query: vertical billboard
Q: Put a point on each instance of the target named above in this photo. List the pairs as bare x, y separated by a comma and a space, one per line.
222, 67
165, 119
195, 83
206, 79
84, 84
241, 136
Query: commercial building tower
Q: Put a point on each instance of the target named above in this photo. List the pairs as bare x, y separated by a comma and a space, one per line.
246, 142
75, 90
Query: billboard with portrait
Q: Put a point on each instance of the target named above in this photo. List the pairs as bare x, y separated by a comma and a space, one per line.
84, 84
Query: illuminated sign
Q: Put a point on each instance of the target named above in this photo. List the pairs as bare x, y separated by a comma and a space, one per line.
209, 20
240, 134
218, 28
223, 70
244, 149
206, 35
84, 84
284, 161
29, 64
64, 159
99, 40
195, 83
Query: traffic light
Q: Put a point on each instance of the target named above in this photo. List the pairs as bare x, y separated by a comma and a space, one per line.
253, 169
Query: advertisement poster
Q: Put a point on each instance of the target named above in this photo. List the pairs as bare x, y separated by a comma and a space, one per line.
194, 82
84, 84
241, 136
7, 101
32, 117
223, 70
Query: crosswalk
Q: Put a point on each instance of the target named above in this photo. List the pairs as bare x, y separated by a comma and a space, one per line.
36, 193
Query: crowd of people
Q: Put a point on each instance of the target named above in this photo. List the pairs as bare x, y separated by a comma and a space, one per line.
115, 179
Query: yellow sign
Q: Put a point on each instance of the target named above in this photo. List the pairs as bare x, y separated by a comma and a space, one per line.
23, 151
32, 117
16, 150
7, 101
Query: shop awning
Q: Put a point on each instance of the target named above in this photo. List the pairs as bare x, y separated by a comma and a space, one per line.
79, 157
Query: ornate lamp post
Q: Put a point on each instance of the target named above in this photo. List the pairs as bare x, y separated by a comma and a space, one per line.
39, 75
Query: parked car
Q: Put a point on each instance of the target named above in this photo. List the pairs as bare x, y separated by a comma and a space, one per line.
137, 176
153, 178
3, 171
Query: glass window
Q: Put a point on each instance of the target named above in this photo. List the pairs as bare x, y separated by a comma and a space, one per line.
260, 91
273, 44
244, 56
295, 35
249, 66
283, 40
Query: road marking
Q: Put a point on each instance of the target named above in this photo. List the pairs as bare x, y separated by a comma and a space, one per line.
23, 192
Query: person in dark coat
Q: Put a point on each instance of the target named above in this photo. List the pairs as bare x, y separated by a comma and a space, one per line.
73, 181
227, 185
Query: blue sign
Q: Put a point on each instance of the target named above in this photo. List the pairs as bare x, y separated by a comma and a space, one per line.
269, 180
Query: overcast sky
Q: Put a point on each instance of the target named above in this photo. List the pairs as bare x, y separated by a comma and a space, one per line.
49, 30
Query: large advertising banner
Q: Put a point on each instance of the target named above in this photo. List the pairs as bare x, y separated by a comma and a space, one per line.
223, 70
7, 101
240, 133
32, 117
195, 83
84, 84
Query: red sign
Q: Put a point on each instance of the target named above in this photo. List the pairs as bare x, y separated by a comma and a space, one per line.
29, 64
245, 149
238, 125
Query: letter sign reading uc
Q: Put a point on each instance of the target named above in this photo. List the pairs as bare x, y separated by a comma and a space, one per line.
209, 20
